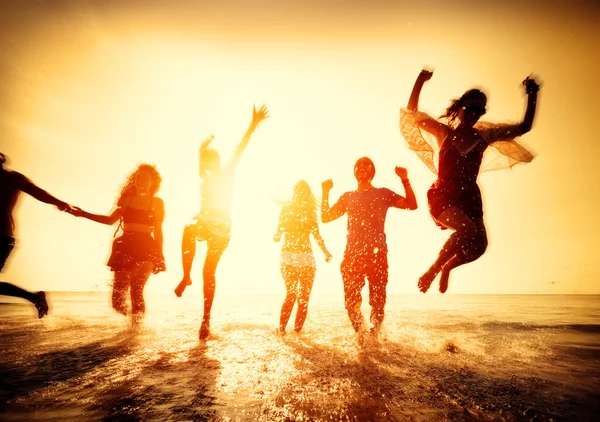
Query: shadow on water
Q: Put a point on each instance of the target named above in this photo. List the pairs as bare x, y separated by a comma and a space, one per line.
182, 389
22, 378
391, 382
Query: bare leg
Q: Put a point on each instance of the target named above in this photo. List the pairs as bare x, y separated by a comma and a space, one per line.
188, 252
465, 231
139, 277
213, 256
307, 279
290, 278
38, 299
119, 292
469, 254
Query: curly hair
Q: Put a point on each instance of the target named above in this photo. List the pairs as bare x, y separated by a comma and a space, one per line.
129, 188
3, 159
455, 105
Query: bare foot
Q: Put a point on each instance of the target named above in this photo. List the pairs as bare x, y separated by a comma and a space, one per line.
40, 304
181, 287
425, 281
204, 330
444, 281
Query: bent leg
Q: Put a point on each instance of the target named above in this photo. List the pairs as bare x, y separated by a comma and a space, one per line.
378, 279
472, 252
139, 277
290, 277
354, 280
216, 247
465, 231
119, 292
188, 252
38, 299
307, 278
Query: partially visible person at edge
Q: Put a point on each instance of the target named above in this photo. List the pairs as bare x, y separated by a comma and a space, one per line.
138, 252
12, 184
297, 221
454, 198
366, 251
213, 223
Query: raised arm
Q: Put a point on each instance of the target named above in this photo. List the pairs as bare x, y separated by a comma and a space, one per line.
430, 125
329, 214
410, 201
531, 88
319, 239
257, 117
41, 195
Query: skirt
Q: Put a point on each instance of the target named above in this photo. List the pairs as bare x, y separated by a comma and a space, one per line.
444, 194
134, 247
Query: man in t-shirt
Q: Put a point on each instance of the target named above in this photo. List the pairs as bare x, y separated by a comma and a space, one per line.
365, 256
12, 184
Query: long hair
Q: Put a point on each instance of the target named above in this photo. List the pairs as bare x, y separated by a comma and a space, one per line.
455, 105
129, 187
304, 203
3, 159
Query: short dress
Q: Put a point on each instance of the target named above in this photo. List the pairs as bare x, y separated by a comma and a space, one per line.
457, 168
133, 247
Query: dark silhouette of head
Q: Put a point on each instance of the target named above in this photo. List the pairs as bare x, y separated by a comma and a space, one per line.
3, 159
364, 169
143, 172
467, 109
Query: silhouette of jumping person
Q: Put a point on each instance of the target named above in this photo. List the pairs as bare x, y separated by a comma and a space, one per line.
213, 223
12, 184
365, 256
458, 147
138, 252
297, 221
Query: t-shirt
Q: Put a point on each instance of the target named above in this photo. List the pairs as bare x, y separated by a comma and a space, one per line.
366, 218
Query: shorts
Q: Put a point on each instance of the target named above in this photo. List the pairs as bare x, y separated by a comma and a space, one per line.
445, 194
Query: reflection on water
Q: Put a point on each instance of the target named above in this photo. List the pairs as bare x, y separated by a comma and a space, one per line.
478, 358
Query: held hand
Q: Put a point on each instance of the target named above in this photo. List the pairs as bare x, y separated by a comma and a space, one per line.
75, 211
402, 173
531, 86
260, 115
425, 75
327, 185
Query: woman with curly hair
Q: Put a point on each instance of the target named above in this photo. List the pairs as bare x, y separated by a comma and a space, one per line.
298, 220
138, 251
458, 151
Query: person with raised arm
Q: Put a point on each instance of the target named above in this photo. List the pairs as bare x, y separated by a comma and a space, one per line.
138, 252
12, 183
365, 256
213, 223
457, 151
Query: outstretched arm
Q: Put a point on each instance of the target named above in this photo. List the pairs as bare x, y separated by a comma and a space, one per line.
329, 214
98, 218
410, 202
257, 117
41, 195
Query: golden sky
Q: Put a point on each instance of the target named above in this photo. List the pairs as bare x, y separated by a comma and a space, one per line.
89, 89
